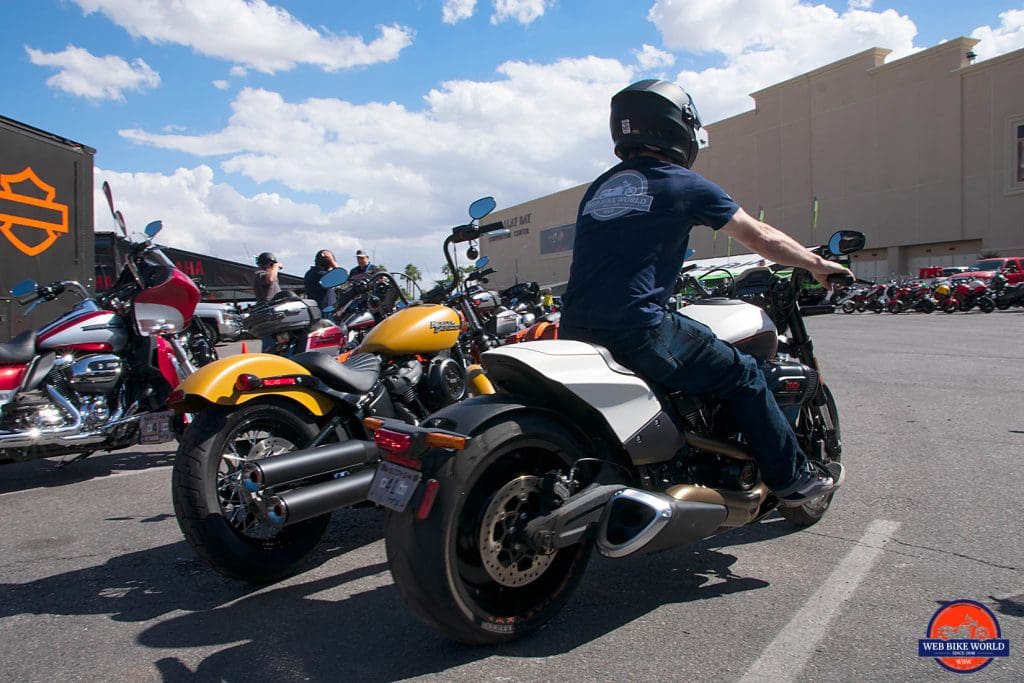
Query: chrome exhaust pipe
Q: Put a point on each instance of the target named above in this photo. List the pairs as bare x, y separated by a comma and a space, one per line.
306, 502
635, 520
287, 467
46, 437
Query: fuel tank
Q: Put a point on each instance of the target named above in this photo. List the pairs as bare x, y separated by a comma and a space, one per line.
744, 325
85, 327
425, 328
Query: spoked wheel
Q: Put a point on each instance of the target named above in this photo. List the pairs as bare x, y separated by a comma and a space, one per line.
818, 431
216, 513
849, 307
469, 570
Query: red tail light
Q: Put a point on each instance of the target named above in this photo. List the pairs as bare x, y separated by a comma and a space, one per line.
280, 381
395, 443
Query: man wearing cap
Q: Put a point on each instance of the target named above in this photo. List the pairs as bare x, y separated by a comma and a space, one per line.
265, 285
363, 266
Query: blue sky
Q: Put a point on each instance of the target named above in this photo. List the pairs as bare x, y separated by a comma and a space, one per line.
252, 125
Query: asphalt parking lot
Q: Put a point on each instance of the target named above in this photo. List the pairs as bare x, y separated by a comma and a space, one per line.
96, 583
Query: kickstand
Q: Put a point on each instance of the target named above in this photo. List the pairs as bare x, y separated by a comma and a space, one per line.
73, 458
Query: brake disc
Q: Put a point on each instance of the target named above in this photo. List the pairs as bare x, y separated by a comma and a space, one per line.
506, 557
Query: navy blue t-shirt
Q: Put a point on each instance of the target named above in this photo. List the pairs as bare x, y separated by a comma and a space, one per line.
632, 230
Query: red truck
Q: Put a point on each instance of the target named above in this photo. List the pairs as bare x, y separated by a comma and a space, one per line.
1011, 266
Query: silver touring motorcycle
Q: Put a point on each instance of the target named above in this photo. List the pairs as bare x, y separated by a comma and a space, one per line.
498, 501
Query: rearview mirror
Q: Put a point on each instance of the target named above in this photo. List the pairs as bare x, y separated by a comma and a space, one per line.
153, 229
481, 262
846, 242
22, 288
481, 207
333, 278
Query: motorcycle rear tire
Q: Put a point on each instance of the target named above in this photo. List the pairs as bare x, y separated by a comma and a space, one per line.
197, 486
927, 306
986, 305
811, 513
438, 563
849, 307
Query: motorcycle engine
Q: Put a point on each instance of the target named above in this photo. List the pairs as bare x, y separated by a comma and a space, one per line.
446, 383
95, 374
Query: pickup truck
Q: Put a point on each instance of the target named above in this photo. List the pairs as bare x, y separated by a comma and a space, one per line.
222, 320
1011, 266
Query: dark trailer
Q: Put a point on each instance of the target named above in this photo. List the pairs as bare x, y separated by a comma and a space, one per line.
46, 217
220, 279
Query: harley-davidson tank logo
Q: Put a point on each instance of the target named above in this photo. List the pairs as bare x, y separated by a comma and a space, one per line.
439, 326
18, 209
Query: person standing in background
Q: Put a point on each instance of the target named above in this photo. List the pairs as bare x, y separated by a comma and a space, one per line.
323, 263
265, 285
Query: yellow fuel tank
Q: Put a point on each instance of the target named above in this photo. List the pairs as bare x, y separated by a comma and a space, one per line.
425, 328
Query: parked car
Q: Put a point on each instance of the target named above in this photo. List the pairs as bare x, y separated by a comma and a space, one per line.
1011, 266
222, 321
953, 270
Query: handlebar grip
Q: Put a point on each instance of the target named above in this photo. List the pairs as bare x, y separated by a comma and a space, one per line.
840, 279
491, 227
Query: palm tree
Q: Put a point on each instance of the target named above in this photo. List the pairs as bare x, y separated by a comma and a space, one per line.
412, 276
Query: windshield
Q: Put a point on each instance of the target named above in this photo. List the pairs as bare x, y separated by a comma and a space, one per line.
991, 264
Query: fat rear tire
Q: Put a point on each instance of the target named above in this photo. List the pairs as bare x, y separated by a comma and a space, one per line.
437, 563
212, 524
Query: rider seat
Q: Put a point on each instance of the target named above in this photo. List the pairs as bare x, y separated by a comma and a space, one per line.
356, 375
21, 348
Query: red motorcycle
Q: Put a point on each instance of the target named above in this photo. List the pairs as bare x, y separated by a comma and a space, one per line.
974, 293
98, 377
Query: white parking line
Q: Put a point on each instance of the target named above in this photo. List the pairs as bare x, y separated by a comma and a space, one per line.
114, 475
787, 654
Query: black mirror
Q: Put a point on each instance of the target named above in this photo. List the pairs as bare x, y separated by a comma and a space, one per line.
481, 262
333, 278
22, 288
153, 229
846, 242
481, 207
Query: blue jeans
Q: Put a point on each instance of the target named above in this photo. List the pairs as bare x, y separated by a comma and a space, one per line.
685, 355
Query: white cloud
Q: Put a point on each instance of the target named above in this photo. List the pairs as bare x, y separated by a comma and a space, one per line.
776, 40
455, 11
1006, 38
238, 71
250, 32
401, 175
83, 74
861, 4
523, 11
649, 57
221, 84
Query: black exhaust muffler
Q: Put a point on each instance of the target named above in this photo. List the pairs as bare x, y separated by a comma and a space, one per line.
307, 502
635, 520
311, 462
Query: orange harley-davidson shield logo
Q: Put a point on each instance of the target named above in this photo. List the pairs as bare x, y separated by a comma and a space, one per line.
20, 210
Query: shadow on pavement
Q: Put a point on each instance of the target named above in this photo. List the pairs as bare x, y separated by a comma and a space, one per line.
296, 632
46, 473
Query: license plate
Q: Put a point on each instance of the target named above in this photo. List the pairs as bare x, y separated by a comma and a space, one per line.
156, 428
393, 486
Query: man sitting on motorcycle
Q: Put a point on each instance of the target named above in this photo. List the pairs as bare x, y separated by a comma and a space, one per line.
632, 231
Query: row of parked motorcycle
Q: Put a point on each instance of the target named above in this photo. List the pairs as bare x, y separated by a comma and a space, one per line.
504, 464
946, 295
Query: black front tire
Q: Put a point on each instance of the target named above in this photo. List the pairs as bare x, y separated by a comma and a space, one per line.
443, 567
211, 507
821, 421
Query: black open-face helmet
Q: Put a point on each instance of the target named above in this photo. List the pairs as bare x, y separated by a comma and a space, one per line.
265, 258
658, 115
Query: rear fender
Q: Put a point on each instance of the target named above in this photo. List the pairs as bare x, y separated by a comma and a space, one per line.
215, 384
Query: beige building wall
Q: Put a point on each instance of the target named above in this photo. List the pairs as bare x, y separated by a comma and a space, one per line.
925, 155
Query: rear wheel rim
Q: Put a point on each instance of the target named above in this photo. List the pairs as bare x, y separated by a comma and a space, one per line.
255, 438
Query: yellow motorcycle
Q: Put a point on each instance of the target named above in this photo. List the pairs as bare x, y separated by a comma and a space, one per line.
246, 502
